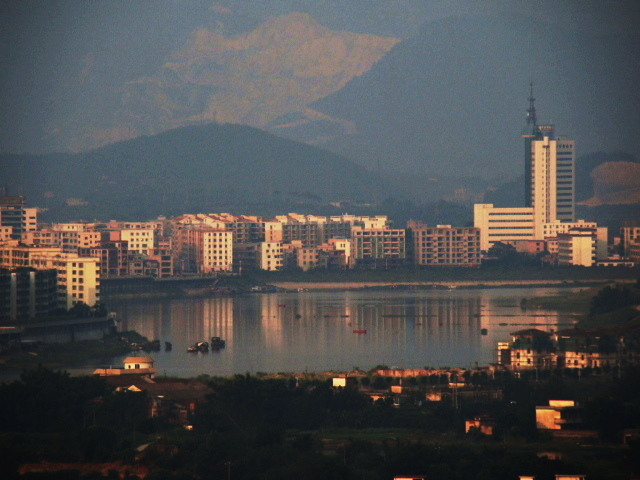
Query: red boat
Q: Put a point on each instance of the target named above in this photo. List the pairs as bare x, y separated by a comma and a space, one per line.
360, 330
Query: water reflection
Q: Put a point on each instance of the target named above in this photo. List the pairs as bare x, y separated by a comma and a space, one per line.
315, 330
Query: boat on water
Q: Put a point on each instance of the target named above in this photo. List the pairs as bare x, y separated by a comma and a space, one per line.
199, 347
217, 342
360, 330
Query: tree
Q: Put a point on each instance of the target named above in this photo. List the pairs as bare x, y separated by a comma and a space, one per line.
612, 298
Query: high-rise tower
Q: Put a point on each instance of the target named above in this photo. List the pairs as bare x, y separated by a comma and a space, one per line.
549, 171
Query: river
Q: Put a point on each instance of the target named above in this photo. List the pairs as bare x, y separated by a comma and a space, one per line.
335, 330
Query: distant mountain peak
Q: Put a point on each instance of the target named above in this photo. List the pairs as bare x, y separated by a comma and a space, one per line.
279, 68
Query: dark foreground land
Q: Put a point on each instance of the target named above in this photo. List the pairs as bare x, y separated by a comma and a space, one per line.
298, 426
53, 426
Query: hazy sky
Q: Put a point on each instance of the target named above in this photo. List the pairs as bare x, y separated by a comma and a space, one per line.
46, 46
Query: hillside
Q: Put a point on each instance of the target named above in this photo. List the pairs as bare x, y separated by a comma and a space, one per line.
276, 69
190, 169
453, 98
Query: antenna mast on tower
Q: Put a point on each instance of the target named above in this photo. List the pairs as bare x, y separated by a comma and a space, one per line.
532, 119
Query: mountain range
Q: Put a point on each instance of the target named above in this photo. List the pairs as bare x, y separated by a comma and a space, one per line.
453, 97
447, 101
215, 106
244, 170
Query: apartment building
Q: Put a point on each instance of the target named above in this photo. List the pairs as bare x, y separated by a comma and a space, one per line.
577, 247
203, 250
630, 236
15, 217
306, 258
27, 293
69, 240
378, 247
443, 245
78, 278
113, 258
269, 256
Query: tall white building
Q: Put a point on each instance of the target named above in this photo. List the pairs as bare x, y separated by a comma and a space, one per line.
549, 191
549, 170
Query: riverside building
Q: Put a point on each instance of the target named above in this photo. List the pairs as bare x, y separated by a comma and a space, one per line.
549, 193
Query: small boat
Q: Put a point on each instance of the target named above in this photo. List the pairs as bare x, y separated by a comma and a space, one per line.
360, 330
217, 342
483, 331
199, 347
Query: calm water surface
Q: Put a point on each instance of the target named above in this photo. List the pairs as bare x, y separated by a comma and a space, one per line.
314, 331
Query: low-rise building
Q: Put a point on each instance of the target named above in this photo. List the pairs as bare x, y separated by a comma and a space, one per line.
569, 348
482, 424
577, 247
531, 348
559, 415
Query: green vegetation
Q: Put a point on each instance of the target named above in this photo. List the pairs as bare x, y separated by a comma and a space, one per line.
279, 428
613, 297
61, 355
611, 306
577, 302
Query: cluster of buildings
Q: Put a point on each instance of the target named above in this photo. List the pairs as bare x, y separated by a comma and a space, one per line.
547, 222
531, 349
82, 253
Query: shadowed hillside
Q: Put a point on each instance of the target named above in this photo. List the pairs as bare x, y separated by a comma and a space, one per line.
191, 169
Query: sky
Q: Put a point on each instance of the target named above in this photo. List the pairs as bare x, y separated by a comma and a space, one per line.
47, 46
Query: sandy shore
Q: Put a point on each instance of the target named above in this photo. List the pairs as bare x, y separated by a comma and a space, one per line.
295, 286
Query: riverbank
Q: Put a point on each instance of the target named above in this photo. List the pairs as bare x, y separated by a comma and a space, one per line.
449, 285
60, 356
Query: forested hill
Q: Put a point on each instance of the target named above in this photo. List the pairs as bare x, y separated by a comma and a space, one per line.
190, 169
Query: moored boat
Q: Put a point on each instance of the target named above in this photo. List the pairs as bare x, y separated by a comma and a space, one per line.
199, 347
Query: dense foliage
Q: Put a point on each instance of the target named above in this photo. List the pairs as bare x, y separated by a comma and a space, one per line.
281, 428
613, 297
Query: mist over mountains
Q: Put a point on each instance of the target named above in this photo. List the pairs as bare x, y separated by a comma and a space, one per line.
447, 100
398, 110
243, 170
190, 169
453, 98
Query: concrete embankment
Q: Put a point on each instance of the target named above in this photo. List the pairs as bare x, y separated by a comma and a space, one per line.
299, 286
